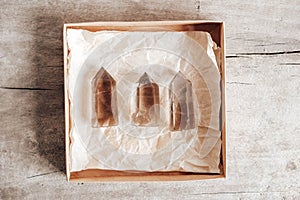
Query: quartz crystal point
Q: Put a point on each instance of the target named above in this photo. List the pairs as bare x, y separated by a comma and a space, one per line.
147, 102
182, 109
105, 98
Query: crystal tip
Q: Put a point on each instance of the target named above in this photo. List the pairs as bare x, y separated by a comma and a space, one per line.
145, 79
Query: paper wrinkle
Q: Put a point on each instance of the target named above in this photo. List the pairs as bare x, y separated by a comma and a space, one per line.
127, 56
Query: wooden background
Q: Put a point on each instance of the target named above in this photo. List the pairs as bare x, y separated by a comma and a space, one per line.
263, 95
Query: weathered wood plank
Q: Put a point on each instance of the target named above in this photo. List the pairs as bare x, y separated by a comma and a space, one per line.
262, 149
37, 31
263, 87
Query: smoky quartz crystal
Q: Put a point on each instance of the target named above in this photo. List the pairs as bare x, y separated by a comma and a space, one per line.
181, 109
105, 99
146, 102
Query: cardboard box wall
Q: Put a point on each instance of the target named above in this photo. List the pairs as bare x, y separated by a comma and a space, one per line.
216, 29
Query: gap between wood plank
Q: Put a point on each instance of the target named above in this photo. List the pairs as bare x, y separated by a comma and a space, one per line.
241, 83
240, 192
19, 88
44, 174
262, 54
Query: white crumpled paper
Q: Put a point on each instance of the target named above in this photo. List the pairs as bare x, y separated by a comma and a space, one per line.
126, 56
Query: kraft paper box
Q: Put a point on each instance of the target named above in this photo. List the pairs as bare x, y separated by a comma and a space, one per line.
89, 156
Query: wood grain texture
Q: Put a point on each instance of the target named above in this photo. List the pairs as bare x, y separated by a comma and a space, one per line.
263, 88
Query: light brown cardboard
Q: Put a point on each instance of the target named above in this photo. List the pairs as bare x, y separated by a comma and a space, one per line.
216, 29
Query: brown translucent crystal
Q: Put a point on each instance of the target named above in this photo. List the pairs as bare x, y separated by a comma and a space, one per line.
182, 108
105, 98
147, 100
